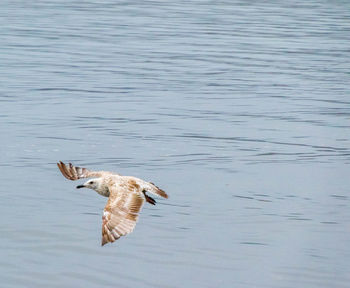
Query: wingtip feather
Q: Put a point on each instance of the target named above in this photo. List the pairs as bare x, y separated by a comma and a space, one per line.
62, 168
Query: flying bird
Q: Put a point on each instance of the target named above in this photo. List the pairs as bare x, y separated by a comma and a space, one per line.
126, 196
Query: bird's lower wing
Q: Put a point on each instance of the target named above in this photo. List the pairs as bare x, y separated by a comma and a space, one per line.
121, 211
72, 172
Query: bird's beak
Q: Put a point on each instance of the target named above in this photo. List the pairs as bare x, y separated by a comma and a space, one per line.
80, 186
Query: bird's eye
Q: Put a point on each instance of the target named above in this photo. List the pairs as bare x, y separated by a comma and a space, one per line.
92, 182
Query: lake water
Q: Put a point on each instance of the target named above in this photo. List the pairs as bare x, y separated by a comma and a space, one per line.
240, 110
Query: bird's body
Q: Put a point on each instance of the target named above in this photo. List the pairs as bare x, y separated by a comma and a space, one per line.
126, 196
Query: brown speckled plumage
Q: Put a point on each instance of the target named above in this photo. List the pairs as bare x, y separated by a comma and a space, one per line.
127, 195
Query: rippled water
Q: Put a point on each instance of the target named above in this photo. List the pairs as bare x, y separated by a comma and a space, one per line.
238, 109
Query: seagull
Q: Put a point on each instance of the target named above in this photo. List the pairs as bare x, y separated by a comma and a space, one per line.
126, 196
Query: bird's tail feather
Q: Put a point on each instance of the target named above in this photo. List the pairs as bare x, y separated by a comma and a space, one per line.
150, 187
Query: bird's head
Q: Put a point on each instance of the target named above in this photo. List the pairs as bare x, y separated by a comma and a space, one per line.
94, 184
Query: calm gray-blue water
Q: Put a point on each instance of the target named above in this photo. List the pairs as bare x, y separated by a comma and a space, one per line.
238, 109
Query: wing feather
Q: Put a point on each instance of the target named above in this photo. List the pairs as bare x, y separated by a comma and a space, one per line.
121, 212
73, 173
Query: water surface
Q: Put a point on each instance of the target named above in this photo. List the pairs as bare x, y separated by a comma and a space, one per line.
240, 111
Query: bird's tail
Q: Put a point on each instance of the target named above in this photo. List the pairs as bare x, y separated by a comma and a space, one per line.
150, 187
158, 191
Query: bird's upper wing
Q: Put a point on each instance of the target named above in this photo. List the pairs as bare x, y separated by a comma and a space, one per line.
121, 211
74, 173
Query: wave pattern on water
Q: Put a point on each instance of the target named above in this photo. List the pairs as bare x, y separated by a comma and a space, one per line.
239, 110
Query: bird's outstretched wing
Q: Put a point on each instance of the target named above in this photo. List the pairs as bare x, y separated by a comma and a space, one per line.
74, 173
121, 211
